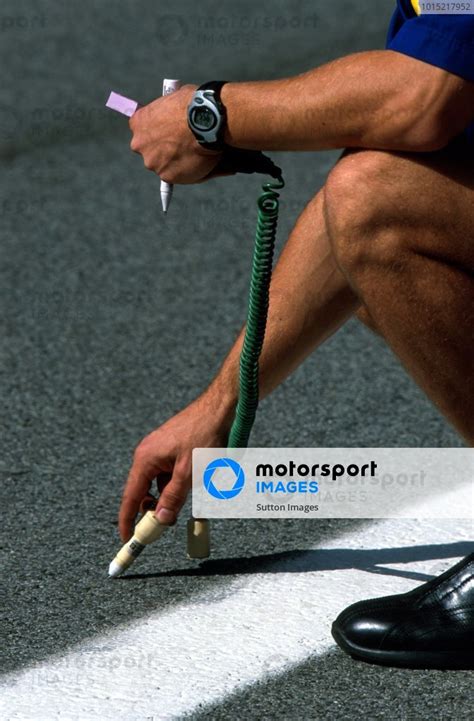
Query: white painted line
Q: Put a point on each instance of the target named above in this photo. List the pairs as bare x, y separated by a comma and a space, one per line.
259, 625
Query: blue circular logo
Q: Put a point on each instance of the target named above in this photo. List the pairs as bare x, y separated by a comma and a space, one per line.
224, 463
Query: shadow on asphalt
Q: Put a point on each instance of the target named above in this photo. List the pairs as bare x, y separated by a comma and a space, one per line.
299, 561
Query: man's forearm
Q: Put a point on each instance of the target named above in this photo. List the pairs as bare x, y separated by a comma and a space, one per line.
379, 99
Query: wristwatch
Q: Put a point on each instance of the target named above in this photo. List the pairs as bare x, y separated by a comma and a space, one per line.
207, 115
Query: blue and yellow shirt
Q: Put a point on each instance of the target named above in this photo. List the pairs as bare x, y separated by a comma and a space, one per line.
446, 41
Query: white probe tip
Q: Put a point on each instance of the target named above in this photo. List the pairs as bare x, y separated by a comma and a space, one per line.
115, 569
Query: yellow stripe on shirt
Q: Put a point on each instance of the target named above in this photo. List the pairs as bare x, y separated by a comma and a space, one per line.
416, 6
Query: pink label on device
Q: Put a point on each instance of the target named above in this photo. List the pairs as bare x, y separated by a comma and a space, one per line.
121, 104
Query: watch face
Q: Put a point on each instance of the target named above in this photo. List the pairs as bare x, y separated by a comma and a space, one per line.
203, 119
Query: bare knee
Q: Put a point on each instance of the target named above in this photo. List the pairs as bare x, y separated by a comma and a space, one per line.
362, 211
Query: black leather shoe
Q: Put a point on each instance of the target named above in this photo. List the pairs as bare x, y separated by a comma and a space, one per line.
429, 627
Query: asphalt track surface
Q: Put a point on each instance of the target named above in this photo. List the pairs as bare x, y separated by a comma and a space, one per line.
115, 318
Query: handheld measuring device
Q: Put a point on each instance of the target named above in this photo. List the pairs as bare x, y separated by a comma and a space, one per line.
149, 528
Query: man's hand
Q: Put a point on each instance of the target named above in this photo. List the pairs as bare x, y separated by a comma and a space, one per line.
162, 137
166, 454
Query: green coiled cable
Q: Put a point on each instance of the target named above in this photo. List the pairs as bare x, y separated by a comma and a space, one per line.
267, 221
262, 264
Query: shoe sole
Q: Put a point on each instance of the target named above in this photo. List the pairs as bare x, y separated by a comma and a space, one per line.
404, 659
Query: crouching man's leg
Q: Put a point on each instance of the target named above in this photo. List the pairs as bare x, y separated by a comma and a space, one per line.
402, 230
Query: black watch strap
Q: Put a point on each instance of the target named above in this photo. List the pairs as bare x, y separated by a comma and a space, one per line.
235, 160
216, 87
